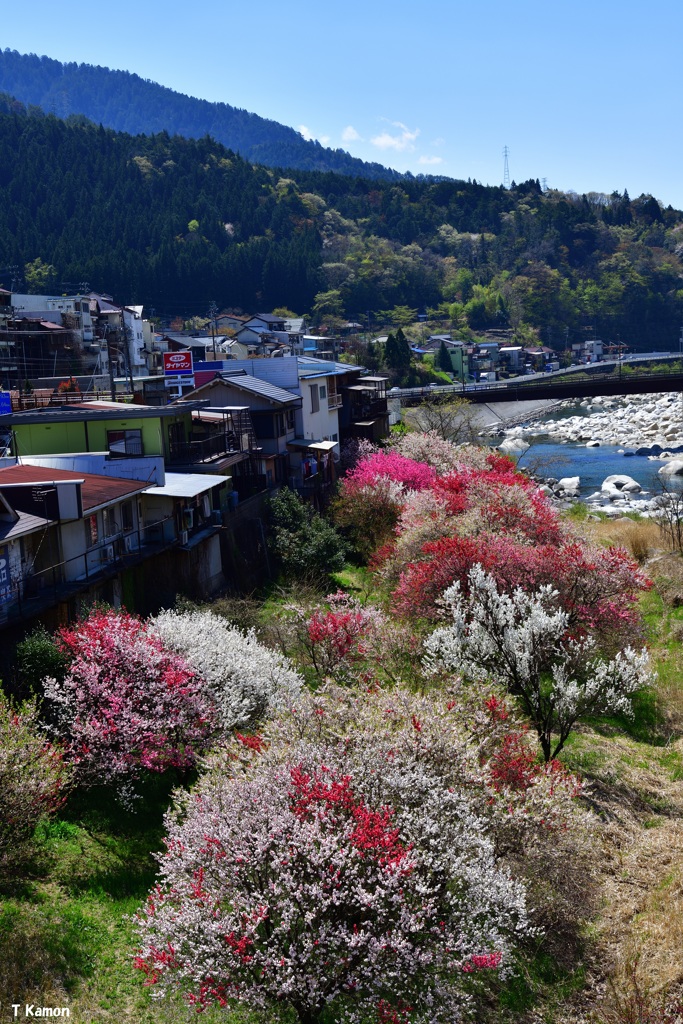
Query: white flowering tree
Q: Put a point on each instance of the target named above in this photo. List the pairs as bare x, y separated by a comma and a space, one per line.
342, 859
523, 641
243, 679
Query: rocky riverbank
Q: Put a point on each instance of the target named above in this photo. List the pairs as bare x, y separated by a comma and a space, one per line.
644, 425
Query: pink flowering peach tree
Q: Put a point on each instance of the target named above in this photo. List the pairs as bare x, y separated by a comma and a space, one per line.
127, 704
342, 861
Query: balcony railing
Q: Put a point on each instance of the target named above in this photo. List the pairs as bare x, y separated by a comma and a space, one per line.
369, 410
45, 588
334, 401
204, 450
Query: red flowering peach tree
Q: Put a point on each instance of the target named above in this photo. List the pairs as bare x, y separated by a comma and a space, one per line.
127, 703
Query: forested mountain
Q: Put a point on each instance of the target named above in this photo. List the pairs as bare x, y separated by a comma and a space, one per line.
128, 103
175, 223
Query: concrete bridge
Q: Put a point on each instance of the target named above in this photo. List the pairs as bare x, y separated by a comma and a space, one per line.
606, 379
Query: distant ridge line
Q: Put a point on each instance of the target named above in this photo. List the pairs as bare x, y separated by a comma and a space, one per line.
124, 101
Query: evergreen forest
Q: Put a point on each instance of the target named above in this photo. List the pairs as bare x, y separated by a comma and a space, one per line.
128, 103
178, 223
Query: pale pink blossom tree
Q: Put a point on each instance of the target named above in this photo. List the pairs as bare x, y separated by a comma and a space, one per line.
293, 884
346, 858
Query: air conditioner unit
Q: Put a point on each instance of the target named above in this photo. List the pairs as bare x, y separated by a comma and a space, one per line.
109, 553
184, 536
128, 544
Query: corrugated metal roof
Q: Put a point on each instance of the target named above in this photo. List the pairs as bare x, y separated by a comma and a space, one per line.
186, 485
257, 386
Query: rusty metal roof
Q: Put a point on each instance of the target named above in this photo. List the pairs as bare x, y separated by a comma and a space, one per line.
96, 490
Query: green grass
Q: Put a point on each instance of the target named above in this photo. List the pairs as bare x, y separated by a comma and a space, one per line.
540, 977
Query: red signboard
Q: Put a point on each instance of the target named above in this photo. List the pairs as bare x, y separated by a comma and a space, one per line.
177, 362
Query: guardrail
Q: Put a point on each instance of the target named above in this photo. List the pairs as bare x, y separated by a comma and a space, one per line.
596, 378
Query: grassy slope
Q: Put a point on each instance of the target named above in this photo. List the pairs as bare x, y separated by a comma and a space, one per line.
66, 936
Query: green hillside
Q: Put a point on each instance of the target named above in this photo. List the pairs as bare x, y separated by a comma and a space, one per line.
176, 223
128, 103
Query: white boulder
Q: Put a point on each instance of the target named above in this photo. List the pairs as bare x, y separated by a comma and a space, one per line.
569, 483
618, 484
513, 446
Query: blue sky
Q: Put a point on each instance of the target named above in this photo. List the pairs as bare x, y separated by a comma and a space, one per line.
587, 95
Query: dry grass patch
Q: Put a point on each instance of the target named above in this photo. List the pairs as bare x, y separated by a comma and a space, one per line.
641, 926
643, 538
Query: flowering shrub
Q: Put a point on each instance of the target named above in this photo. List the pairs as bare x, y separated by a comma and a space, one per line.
343, 862
33, 777
353, 449
423, 519
427, 511
391, 465
368, 514
431, 449
523, 641
597, 587
242, 679
334, 635
127, 703
348, 642
70, 386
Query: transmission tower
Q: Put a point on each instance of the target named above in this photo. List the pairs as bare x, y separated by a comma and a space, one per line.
506, 169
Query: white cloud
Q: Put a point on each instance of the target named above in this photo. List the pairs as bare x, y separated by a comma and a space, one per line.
401, 142
308, 135
438, 142
350, 134
430, 160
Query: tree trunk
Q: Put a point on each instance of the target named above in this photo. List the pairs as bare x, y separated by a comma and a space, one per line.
306, 1015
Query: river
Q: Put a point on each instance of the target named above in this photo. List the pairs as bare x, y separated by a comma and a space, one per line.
549, 457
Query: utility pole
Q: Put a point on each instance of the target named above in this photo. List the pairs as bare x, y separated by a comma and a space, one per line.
213, 310
112, 385
126, 349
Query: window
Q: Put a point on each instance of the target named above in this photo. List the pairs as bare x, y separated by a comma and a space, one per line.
315, 401
124, 442
109, 525
127, 520
290, 419
90, 523
323, 391
335, 437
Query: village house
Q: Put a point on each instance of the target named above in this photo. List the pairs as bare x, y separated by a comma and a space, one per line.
80, 528
120, 429
272, 412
